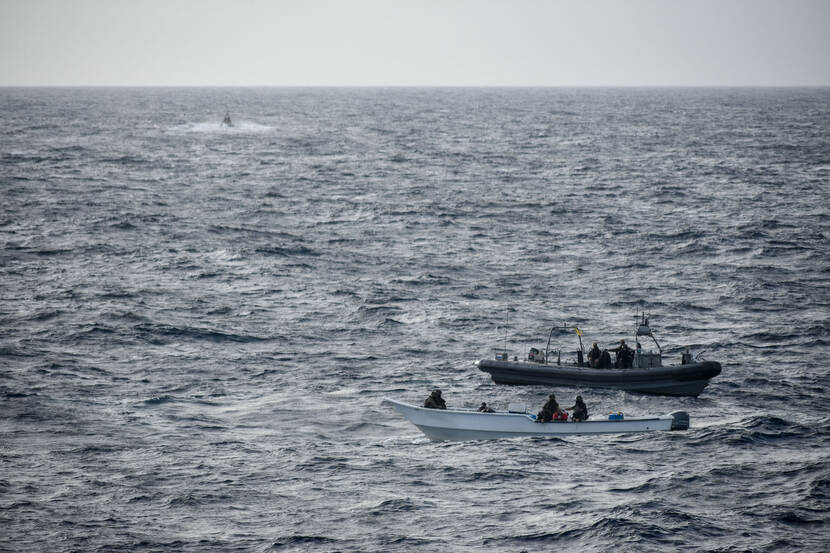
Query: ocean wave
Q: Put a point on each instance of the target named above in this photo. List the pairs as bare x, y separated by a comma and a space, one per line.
756, 430
287, 251
303, 541
393, 505
155, 332
159, 400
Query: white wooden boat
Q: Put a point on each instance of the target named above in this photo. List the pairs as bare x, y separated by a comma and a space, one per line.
468, 424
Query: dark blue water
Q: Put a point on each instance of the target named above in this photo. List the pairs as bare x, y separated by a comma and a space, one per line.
198, 323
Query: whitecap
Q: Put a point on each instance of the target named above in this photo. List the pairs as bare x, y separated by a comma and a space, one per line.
216, 127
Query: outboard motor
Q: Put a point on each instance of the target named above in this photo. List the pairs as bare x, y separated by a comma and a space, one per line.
681, 420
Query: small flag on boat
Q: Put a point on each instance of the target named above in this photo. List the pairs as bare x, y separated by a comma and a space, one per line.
578, 332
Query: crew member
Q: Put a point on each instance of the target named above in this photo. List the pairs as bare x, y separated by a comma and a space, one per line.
435, 401
625, 357
549, 410
594, 355
604, 360
579, 412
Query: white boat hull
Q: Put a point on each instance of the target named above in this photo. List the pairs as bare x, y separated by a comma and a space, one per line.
463, 424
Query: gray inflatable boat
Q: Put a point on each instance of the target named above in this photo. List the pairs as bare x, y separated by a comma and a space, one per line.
642, 371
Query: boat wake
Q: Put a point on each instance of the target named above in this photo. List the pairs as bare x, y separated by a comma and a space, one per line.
216, 127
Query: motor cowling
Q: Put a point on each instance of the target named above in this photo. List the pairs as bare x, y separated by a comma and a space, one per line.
680, 420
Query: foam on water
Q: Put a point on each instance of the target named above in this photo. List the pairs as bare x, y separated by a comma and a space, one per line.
216, 127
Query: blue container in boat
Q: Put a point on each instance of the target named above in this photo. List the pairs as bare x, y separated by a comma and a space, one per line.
615, 417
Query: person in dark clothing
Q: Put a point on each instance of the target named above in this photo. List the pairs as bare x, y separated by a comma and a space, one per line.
435, 401
628, 359
604, 360
594, 355
549, 410
625, 357
579, 412
485, 409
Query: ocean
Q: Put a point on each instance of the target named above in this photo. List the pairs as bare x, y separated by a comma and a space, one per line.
199, 323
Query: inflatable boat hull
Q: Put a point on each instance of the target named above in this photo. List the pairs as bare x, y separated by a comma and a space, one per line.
675, 380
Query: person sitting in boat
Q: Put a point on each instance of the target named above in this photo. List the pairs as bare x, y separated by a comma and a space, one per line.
550, 410
579, 412
484, 408
604, 360
435, 401
625, 357
594, 355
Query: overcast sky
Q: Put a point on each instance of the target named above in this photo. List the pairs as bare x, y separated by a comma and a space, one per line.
416, 42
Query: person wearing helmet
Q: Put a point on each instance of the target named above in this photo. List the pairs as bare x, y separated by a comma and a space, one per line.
625, 357
579, 412
484, 408
594, 355
435, 401
549, 410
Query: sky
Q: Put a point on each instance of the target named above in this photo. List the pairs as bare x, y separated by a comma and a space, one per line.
414, 43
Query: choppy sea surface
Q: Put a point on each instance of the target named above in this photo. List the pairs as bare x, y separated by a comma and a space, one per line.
198, 323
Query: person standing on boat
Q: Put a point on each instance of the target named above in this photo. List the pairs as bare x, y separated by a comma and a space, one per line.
579, 412
549, 410
625, 356
594, 355
435, 401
